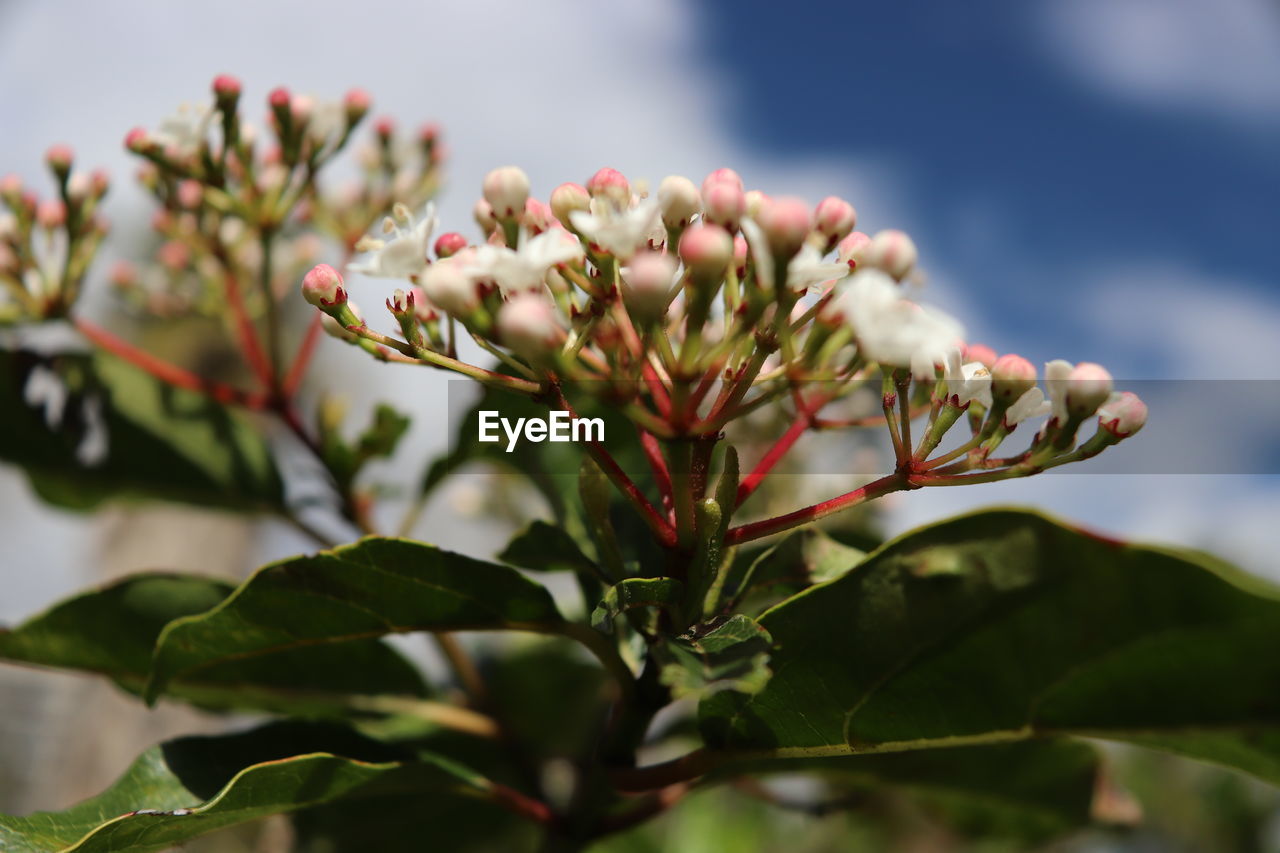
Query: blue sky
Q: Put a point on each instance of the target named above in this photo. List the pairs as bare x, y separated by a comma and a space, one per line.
1088, 179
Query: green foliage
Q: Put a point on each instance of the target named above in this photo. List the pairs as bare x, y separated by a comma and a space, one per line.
192, 786
372, 588
727, 653
1004, 625
112, 631
157, 442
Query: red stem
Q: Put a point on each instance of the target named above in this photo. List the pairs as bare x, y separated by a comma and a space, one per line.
302, 359
759, 529
804, 419
653, 452
169, 373
661, 399
248, 335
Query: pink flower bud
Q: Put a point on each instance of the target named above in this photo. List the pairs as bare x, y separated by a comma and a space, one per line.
723, 204
706, 251
834, 218
892, 251
506, 189
124, 274
755, 202
226, 88
59, 158
449, 244
51, 214
678, 200
99, 182
538, 216
851, 249
528, 326
721, 175
190, 193
279, 99
483, 214
980, 353
323, 287
741, 251
1088, 387
174, 256
786, 223
1123, 416
356, 104
385, 127
567, 198
1011, 377
448, 286
137, 140
429, 134
649, 280
611, 185
10, 186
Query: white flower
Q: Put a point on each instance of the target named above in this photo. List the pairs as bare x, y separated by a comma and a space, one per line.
186, 130
404, 255
524, 268
619, 232
1031, 404
892, 330
968, 382
806, 270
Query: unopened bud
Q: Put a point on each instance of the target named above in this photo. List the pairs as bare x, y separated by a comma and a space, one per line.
59, 158
483, 215
892, 251
611, 185
833, 219
528, 326
1123, 416
385, 128
786, 223
852, 249
137, 140
190, 194
719, 175
723, 204
356, 104
226, 89
706, 251
1088, 387
448, 286
649, 279
567, 198
679, 201
980, 353
51, 214
538, 216
754, 200
1011, 377
323, 287
506, 189
741, 252
449, 244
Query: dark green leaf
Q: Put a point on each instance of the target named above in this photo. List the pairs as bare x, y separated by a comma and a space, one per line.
543, 547
798, 561
192, 786
635, 594
728, 653
122, 434
112, 631
1004, 625
372, 588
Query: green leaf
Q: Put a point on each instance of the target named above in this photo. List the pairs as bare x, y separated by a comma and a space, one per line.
635, 594
1005, 625
543, 547
727, 653
799, 560
372, 588
188, 787
112, 631
160, 442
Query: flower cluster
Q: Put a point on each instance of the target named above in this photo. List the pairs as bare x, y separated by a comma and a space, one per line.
694, 306
46, 245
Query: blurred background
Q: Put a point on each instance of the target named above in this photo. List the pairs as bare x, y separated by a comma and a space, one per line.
1086, 179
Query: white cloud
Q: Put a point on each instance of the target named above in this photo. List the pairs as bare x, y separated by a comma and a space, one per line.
1212, 57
